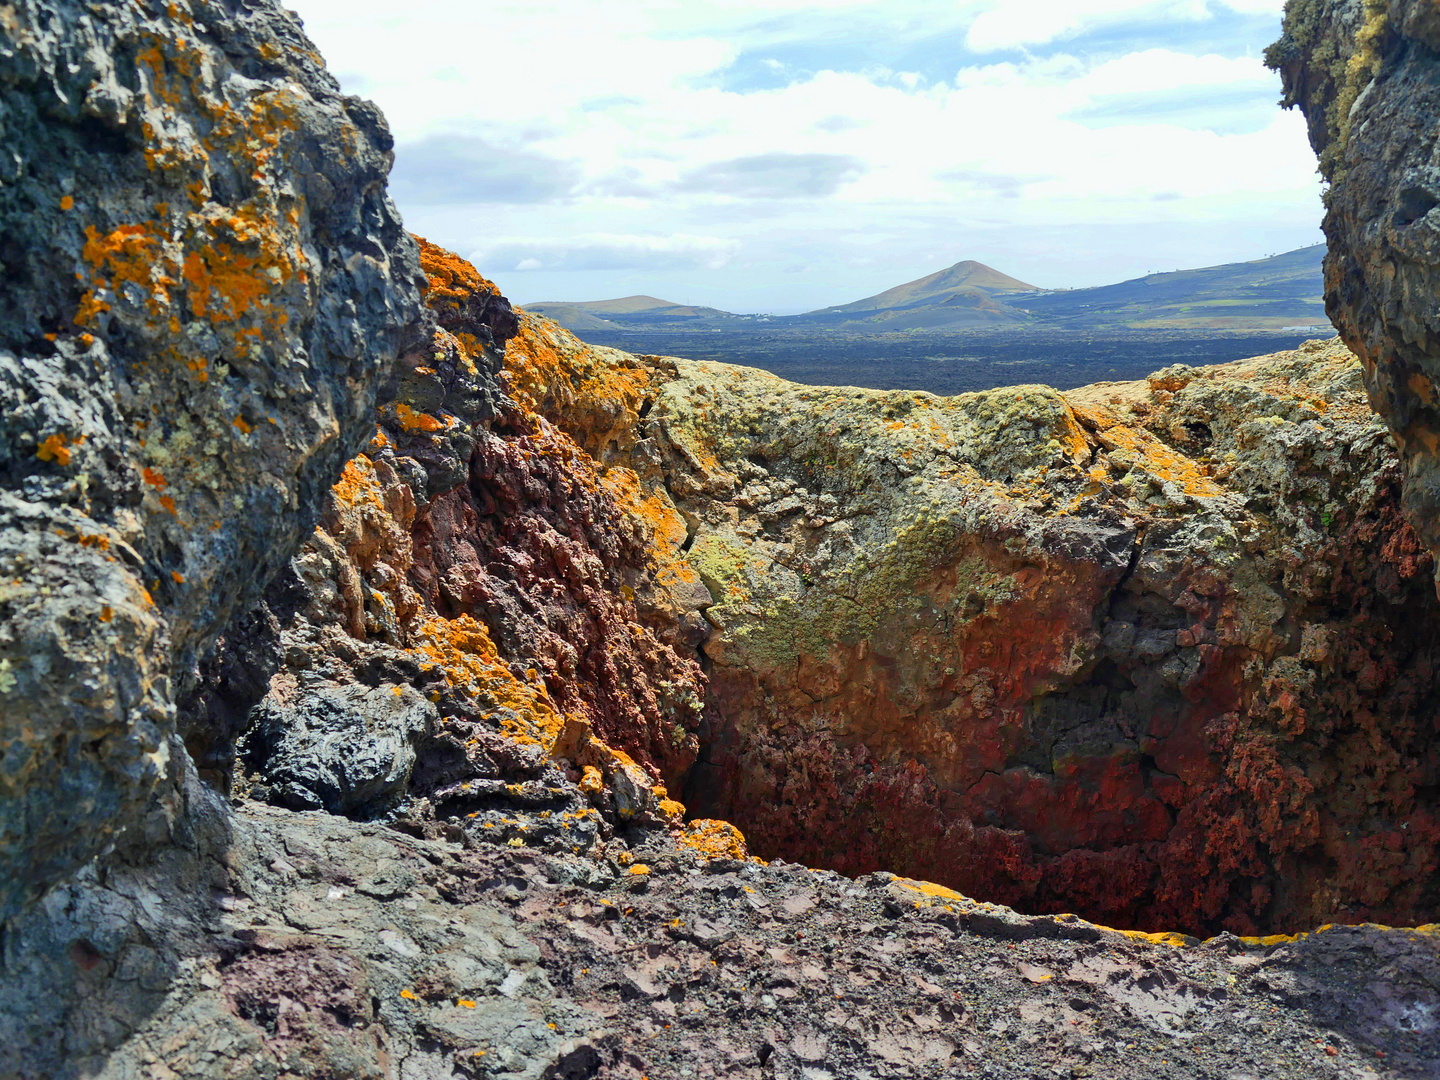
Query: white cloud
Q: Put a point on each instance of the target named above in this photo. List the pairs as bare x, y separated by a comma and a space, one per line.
714, 144
603, 251
1009, 25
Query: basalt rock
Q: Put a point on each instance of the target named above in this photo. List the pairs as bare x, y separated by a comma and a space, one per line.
204, 282
1366, 75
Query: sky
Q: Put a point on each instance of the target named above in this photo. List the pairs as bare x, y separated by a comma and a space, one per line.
785, 155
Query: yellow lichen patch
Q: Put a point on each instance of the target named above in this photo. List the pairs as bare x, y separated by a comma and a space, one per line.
462, 650
107, 613
1164, 937
659, 521
56, 448
1157, 459
639, 870
714, 839
67, 202
591, 781
929, 888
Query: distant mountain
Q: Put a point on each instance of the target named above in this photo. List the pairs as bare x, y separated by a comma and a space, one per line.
1283, 290
628, 312
1266, 294
962, 296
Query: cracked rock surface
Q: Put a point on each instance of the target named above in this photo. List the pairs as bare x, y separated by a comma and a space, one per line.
1366, 76
204, 282
314, 946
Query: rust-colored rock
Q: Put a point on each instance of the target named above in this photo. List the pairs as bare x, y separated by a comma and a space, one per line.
1159, 653
477, 553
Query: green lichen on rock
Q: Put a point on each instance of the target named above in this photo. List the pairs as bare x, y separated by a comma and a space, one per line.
204, 284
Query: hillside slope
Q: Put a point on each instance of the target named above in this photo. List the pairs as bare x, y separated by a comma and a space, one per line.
1263, 294
1283, 290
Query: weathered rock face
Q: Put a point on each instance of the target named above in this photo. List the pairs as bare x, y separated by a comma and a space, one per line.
1159, 653
204, 281
477, 554
1366, 74
1162, 654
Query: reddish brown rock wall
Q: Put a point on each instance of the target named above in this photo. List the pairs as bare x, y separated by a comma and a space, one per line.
1180, 673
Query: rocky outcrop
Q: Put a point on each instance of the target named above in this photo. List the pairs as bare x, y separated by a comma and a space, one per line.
1159, 653
1366, 75
1156, 653
485, 614
204, 282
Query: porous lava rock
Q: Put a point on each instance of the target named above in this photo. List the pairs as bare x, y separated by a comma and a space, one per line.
204, 282
1160, 653
479, 553
1366, 75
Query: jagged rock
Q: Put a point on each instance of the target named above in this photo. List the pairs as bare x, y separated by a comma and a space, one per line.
477, 553
1366, 74
1048, 648
348, 749
204, 281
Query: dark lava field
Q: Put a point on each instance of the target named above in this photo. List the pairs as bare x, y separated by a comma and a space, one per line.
956, 362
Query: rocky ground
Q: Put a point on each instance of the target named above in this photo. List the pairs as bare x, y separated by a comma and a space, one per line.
325, 948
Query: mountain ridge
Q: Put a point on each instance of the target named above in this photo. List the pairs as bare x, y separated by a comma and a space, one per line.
1270, 293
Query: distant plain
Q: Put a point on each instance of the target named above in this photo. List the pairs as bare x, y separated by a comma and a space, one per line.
956, 362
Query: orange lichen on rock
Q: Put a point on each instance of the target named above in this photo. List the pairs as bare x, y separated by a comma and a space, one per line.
593, 394
714, 839
56, 448
450, 280
412, 420
461, 649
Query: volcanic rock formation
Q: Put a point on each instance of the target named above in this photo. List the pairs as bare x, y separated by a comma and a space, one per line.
204, 280
1366, 75
1158, 653
448, 603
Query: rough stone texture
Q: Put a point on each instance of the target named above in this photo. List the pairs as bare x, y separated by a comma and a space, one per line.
348, 750
313, 946
476, 554
1159, 653
1366, 74
204, 280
